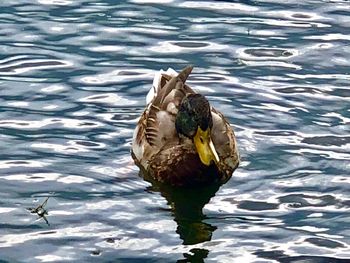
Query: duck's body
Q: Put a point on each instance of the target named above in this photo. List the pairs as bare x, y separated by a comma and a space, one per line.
168, 140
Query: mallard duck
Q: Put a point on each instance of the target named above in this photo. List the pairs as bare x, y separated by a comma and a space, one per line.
180, 139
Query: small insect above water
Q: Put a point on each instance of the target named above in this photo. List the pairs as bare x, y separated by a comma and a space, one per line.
40, 210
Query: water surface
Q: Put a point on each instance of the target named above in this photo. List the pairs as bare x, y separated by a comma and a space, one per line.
73, 81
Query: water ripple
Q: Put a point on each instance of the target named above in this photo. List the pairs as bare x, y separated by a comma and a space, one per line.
63, 122
22, 66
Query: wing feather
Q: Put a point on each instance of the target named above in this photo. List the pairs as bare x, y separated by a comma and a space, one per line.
160, 117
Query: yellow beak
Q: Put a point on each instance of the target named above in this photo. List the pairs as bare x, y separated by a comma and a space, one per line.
205, 147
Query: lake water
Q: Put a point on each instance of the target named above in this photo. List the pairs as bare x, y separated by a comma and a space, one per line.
73, 79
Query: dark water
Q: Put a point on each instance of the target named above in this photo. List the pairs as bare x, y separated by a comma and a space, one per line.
73, 81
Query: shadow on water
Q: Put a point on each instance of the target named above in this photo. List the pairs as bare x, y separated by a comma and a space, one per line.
197, 255
186, 205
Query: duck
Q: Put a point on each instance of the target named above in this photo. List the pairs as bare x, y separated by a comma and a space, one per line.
180, 139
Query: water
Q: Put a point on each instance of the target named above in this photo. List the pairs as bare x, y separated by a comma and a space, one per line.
73, 81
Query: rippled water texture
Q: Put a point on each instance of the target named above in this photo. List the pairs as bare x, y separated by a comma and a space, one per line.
73, 81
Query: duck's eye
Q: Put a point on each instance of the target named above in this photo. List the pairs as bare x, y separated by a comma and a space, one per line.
201, 138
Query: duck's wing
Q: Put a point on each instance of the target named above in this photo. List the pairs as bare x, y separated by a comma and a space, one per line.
157, 124
162, 110
225, 142
156, 127
170, 84
159, 80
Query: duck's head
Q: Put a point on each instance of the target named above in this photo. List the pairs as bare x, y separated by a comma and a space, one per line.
194, 121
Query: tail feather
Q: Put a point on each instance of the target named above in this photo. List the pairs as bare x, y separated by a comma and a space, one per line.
157, 83
183, 75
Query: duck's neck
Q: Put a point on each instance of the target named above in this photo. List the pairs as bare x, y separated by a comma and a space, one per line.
185, 140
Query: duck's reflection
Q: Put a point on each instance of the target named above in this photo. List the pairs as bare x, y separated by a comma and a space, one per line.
196, 255
186, 206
